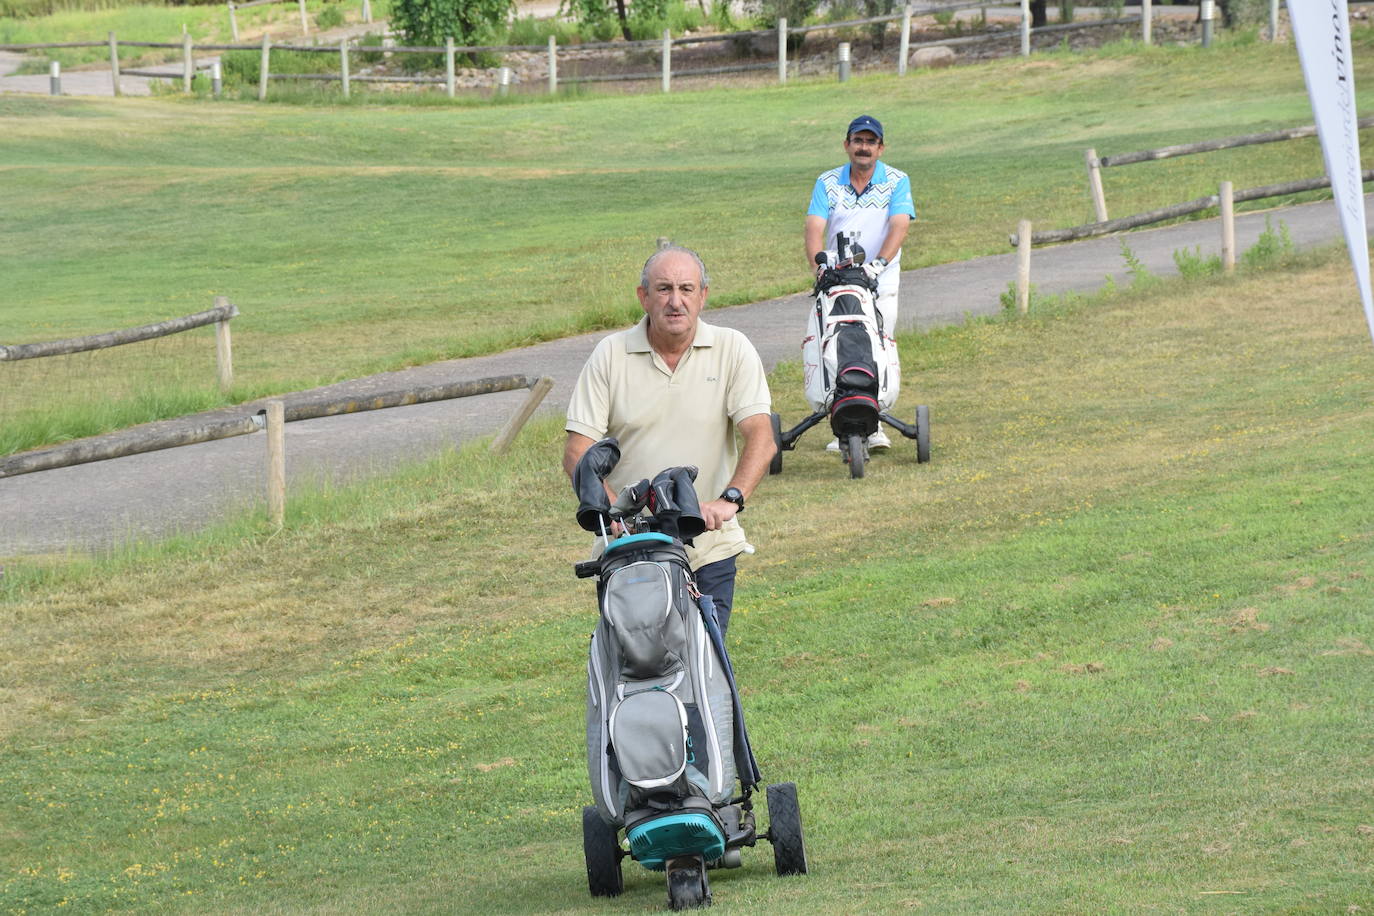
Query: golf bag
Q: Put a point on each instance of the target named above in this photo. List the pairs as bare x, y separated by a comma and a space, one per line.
849, 360
665, 734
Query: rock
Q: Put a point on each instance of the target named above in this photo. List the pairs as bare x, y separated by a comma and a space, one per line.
933, 58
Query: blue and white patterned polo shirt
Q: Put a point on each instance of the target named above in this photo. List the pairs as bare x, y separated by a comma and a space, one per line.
863, 217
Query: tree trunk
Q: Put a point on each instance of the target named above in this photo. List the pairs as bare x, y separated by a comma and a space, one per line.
1038, 17
624, 20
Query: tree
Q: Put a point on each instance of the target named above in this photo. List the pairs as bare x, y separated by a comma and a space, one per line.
429, 22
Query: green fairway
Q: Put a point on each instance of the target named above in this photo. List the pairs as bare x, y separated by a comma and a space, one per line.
365, 237
1108, 652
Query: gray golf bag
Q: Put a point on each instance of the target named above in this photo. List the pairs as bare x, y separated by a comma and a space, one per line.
668, 757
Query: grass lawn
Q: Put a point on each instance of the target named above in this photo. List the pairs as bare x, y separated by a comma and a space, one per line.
1108, 652
358, 238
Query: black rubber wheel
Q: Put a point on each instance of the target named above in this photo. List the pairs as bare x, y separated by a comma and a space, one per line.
922, 434
687, 884
785, 829
602, 851
856, 456
775, 466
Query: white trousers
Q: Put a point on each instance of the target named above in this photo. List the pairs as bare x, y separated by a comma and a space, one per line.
886, 305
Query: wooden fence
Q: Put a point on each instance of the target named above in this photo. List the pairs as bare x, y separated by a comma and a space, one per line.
501, 80
272, 417
1105, 226
223, 312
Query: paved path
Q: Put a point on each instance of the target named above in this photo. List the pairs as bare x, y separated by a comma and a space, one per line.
146, 496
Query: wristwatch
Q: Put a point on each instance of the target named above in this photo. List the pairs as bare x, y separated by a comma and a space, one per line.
733, 494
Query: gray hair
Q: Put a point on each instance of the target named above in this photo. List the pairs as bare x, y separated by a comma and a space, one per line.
648, 265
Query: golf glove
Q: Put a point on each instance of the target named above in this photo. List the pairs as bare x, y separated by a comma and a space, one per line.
875, 267
822, 264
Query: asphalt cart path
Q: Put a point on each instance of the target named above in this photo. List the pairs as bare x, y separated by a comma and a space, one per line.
155, 494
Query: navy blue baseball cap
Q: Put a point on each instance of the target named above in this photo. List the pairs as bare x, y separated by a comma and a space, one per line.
864, 122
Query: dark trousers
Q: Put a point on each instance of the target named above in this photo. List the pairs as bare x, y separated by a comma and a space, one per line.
718, 580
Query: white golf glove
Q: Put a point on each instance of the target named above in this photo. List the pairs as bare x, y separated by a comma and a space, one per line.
875, 267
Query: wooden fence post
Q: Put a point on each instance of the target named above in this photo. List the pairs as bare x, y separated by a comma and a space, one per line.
114, 63
367, 11
276, 462
1095, 184
553, 65
782, 49
1025, 28
262, 68
448, 66
1146, 13
1228, 227
188, 65
667, 60
904, 45
1023, 253
305, 23
517, 422
343, 65
1273, 20
224, 349
233, 22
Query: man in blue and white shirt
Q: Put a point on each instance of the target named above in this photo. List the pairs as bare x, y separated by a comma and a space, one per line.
870, 202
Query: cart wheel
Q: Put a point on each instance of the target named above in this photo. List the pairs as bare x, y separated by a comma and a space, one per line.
785, 829
687, 884
856, 456
922, 434
602, 851
775, 466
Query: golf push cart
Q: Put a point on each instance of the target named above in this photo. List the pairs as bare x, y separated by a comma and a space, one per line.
849, 362
668, 757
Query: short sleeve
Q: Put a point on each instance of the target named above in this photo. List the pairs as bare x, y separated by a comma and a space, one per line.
901, 202
748, 392
590, 407
820, 201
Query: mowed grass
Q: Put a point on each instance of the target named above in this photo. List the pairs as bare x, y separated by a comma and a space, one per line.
1108, 652
358, 239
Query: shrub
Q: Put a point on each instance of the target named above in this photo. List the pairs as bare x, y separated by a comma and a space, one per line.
1192, 265
467, 22
1271, 249
330, 17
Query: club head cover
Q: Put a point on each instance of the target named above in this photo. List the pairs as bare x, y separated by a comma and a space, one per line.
592, 468
677, 481
631, 500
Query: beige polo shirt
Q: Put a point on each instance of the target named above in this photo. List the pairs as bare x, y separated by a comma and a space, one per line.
665, 418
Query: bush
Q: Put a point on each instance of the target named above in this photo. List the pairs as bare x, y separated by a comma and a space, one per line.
795, 11
370, 40
467, 22
1192, 265
330, 17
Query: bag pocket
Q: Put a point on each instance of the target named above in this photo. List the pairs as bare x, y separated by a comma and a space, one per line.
649, 735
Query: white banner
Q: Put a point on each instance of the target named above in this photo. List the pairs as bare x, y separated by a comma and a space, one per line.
1321, 30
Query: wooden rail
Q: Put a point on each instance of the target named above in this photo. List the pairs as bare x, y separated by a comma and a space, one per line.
220, 313
1106, 227
171, 434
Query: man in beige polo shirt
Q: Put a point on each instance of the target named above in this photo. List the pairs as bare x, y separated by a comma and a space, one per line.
673, 390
